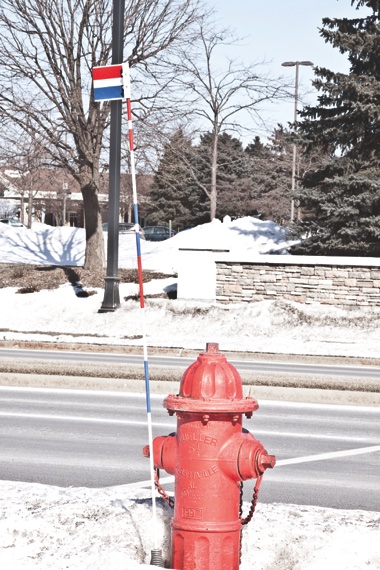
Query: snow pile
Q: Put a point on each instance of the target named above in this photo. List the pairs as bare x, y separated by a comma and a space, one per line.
248, 234
43, 245
66, 246
93, 529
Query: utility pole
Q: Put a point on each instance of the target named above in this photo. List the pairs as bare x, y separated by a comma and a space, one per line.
111, 299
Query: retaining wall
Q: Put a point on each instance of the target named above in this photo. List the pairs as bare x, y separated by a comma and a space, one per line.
314, 279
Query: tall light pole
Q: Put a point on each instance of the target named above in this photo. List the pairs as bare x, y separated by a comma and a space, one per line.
111, 299
295, 64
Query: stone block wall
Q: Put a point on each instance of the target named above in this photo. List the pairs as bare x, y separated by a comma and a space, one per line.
332, 281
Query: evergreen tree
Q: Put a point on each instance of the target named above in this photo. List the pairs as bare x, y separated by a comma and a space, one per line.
232, 180
270, 175
174, 195
256, 148
344, 191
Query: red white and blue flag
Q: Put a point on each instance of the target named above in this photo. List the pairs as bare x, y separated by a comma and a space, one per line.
108, 82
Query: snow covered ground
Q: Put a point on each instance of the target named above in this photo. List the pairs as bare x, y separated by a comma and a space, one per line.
268, 326
80, 528
103, 529
66, 246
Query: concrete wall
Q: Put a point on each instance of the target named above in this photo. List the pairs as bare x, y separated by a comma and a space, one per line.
326, 280
197, 274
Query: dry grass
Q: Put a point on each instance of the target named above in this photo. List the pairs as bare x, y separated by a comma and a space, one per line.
39, 277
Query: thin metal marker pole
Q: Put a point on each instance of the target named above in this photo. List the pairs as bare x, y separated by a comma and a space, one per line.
127, 95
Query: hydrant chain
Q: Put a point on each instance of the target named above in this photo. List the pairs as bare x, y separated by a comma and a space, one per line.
255, 496
169, 500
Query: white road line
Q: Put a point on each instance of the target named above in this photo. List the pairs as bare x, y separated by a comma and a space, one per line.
80, 419
330, 455
73, 391
142, 484
282, 462
140, 395
346, 407
171, 426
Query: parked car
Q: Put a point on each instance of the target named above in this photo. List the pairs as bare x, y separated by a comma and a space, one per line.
158, 233
14, 222
125, 228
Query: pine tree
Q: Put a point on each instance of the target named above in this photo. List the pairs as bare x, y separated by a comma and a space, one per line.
344, 191
270, 175
175, 196
232, 179
256, 148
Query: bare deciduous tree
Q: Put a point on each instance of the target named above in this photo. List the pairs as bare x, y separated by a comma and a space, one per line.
26, 160
7, 208
222, 97
47, 51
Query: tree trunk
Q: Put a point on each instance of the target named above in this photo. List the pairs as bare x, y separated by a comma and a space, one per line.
94, 258
30, 208
214, 167
22, 209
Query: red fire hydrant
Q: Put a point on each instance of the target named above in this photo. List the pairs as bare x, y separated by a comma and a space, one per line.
210, 456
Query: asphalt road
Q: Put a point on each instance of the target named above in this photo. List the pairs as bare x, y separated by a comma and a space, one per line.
327, 455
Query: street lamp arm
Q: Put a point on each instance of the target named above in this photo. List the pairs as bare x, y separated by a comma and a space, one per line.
294, 63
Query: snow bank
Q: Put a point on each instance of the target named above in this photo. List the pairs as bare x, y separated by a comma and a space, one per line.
267, 326
66, 246
92, 529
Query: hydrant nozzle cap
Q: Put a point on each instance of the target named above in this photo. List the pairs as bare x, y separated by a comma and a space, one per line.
212, 347
267, 461
146, 451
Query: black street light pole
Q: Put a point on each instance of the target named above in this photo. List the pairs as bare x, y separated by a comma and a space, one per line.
111, 299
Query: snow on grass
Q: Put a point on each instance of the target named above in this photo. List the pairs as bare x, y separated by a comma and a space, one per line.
92, 529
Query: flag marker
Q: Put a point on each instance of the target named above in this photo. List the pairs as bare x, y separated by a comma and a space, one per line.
108, 82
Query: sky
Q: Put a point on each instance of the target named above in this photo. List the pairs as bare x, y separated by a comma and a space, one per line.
286, 30
43, 527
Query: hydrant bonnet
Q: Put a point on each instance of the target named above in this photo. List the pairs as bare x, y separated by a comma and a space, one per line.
211, 384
